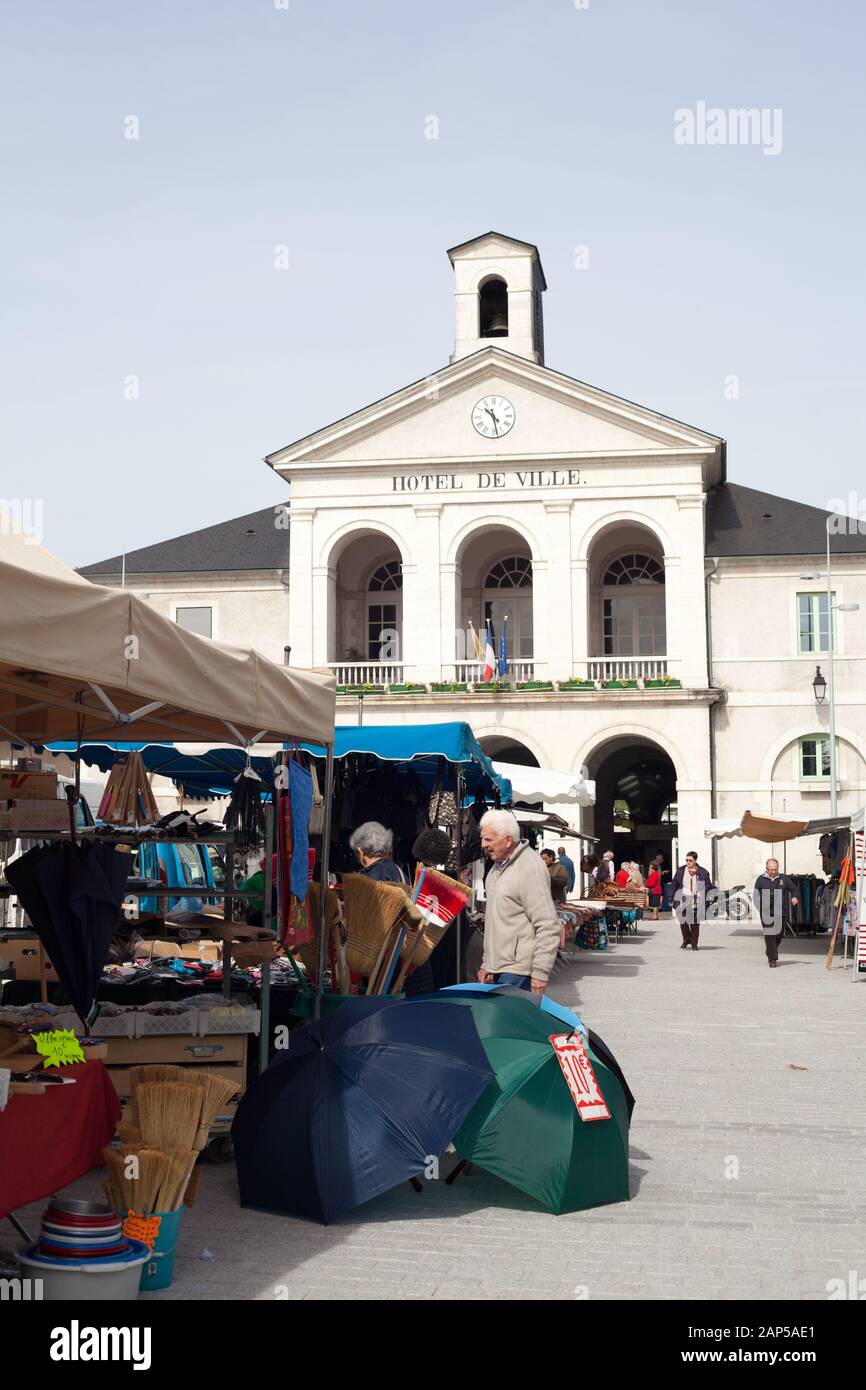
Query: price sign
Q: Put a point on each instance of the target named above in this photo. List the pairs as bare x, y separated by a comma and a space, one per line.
579, 1075
60, 1047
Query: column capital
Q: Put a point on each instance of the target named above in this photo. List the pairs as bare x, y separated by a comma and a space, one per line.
431, 509
302, 513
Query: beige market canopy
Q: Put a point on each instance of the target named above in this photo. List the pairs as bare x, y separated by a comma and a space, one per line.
78, 660
772, 830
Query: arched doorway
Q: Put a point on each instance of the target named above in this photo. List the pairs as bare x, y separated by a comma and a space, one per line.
635, 800
366, 609
627, 619
495, 585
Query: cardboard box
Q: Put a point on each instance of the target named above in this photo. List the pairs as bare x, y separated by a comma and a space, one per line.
28, 786
23, 956
28, 817
187, 950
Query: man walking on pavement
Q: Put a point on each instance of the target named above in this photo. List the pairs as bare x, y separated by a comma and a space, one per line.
521, 928
774, 896
690, 886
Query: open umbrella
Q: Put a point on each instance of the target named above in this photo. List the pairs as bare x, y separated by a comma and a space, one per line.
550, 1006
526, 1128
360, 1102
72, 895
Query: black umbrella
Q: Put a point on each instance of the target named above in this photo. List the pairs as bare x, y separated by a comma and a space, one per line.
72, 895
360, 1102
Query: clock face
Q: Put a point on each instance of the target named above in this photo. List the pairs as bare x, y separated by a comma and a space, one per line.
493, 416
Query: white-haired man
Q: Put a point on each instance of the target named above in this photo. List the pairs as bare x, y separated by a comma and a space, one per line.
521, 928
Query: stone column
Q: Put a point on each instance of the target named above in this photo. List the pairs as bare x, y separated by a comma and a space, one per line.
551, 595
579, 617
686, 603
422, 616
302, 618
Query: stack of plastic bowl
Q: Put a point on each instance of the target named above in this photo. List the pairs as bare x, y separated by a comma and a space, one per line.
83, 1253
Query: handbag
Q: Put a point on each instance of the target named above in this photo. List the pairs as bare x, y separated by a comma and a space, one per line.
317, 811
442, 806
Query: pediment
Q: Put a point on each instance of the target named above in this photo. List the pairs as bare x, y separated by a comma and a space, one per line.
555, 417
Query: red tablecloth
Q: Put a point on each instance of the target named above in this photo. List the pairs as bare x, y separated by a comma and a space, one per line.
48, 1141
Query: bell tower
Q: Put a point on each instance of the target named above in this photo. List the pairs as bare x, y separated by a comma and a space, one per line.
498, 284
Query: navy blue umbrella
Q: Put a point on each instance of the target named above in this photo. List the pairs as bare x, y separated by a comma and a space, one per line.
359, 1102
72, 894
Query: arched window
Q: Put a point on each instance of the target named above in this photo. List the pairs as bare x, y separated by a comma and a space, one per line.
634, 569
386, 577
502, 601
384, 615
633, 619
513, 573
493, 309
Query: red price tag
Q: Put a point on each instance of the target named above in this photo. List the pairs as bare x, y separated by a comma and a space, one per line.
580, 1077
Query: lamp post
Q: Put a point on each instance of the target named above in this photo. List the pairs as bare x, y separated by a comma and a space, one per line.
818, 684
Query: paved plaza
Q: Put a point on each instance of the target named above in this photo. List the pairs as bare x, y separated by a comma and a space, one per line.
747, 1149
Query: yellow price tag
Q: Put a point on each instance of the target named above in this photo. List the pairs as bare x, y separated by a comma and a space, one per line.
60, 1048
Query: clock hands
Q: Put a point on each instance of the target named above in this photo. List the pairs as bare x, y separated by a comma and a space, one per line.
495, 420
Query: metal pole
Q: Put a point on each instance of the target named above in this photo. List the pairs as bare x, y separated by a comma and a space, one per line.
323, 883
360, 711
458, 787
265, 993
227, 918
831, 689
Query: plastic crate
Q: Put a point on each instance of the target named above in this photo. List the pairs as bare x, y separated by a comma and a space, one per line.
184, 1023
231, 1018
121, 1025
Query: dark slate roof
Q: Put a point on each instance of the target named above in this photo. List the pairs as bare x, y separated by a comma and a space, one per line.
226, 546
742, 521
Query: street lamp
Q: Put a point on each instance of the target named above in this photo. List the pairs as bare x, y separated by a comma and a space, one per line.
831, 609
819, 685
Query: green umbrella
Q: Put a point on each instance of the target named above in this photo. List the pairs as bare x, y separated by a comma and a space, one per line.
525, 1126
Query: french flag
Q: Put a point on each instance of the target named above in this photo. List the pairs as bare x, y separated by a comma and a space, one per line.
489, 655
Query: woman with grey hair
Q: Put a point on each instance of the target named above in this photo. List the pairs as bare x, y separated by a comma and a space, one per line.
373, 846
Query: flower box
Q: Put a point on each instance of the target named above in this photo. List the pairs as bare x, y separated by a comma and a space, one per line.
577, 685
535, 685
449, 687
666, 683
362, 690
492, 687
619, 685
410, 688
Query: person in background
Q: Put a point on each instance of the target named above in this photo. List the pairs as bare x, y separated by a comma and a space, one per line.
605, 872
654, 890
521, 929
558, 876
373, 847
623, 873
774, 896
689, 888
635, 877
568, 865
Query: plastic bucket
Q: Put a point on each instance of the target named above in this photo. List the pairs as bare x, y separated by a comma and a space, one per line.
157, 1273
114, 1279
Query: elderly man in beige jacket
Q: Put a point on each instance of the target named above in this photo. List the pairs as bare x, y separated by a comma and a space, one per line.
521, 928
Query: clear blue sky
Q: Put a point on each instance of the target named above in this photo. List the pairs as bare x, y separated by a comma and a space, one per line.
262, 126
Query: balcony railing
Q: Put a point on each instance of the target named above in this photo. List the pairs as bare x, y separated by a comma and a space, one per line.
474, 671
367, 672
627, 668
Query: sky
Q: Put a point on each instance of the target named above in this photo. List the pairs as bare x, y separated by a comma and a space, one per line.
154, 349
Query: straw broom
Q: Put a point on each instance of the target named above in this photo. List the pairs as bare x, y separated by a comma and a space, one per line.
123, 1189
169, 1113
191, 1192
152, 1167
216, 1092
179, 1166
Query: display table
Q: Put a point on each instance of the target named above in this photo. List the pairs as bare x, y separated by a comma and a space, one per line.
48, 1141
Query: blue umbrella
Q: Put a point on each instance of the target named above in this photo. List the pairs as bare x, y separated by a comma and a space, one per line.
360, 1102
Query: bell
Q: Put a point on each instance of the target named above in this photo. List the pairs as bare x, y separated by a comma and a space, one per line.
498, 326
